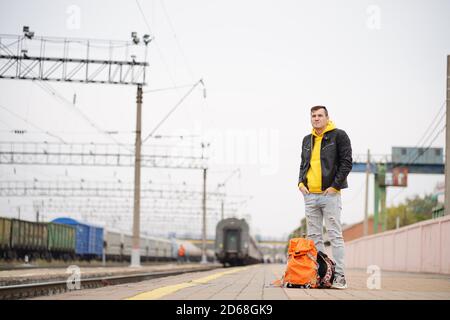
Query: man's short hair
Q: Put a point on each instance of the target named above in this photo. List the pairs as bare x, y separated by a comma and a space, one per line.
315, 108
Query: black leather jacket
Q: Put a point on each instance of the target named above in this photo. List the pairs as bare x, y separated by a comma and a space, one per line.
335, 159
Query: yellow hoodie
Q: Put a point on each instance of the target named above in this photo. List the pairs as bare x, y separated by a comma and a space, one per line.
314, 174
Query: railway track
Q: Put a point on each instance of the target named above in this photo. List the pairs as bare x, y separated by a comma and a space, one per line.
23, 291
24, 266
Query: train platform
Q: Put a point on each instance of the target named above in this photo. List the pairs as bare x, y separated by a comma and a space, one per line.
37, 275
255, 283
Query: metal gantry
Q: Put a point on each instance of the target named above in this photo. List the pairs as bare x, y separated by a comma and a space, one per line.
360, 164
26, 57
103, 189
98, 155
57, 59
380, 166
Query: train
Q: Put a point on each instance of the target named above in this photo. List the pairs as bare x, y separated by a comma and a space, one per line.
234, 246
34, 240
118, 247
68, 239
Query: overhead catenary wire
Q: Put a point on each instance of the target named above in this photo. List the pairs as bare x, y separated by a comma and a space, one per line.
188, 66
431, 124
422, 142
6, 125
437, 120
33, 125
23, 131
429, 146
437, 125
418, 155
113, 132
174, 85
29, 172
34, 171
172, 110
53, 93
50, 90
158, 49
167, 88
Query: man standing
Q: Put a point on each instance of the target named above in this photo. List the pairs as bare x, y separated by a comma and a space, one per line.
326, 163
181, 254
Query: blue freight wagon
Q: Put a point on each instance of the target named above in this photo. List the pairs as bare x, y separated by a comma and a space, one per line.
88, 238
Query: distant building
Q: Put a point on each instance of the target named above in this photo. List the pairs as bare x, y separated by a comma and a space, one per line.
417, 155
355, 231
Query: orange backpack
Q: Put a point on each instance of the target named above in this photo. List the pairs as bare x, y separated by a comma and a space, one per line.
302, 267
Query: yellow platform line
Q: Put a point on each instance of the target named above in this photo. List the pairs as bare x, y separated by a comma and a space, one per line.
163, 291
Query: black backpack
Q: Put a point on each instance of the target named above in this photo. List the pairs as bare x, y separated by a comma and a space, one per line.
325, 274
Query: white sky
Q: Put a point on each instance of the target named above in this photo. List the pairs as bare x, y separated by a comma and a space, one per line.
379, 67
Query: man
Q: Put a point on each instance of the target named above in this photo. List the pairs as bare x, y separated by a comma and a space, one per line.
326, 163
181, 254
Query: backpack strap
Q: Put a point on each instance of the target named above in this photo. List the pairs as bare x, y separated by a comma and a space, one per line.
313, 259
329, 273
279, 282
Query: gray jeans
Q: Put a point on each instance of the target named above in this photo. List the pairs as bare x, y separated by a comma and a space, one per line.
317, 208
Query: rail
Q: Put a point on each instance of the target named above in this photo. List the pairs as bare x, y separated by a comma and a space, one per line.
31, 290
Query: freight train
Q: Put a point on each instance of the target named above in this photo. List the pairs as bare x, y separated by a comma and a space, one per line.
69, 239
234, 245
20, 238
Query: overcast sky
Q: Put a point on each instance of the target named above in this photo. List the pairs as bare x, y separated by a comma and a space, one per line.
379, 67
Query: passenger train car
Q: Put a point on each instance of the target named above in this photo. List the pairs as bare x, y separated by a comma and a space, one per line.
118, 247
234, 245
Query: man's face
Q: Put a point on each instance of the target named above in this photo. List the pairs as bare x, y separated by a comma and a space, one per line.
318, 119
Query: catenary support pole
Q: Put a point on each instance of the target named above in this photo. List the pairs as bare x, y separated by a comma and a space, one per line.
135, 252
204, 219
447, 144
366, 202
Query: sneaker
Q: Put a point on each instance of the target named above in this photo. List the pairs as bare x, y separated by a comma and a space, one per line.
339, 282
